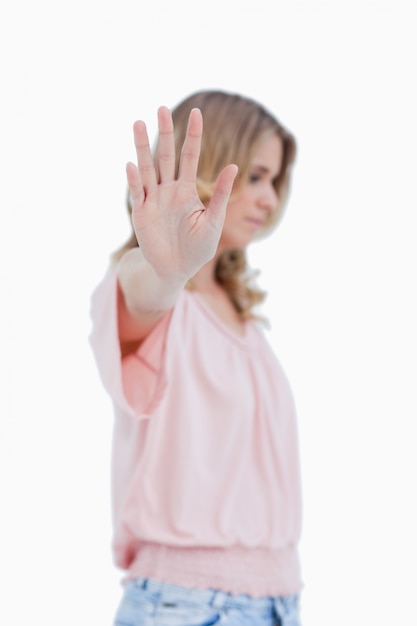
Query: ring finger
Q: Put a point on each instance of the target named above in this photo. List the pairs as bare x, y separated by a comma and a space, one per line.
146, 166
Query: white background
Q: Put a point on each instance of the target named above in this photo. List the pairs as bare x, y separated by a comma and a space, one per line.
341, 272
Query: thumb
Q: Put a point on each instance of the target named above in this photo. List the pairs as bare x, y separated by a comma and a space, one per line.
222, 190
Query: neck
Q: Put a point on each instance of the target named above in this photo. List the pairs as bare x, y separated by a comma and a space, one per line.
205, 279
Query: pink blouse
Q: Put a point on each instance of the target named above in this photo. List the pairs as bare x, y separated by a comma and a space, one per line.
206, 481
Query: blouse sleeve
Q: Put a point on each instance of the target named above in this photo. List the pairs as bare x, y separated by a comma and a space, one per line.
136, 382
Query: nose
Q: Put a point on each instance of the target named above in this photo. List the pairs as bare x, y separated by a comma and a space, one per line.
268, 199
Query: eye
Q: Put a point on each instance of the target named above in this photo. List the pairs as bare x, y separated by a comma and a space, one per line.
253, 178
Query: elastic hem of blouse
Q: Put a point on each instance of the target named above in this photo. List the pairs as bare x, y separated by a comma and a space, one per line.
256, 572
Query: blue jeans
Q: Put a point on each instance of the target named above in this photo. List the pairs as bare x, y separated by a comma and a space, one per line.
150, 603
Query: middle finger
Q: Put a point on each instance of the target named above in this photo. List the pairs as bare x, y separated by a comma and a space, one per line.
166, 146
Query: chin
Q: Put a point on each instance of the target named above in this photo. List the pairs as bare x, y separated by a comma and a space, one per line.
235, 243
236, 246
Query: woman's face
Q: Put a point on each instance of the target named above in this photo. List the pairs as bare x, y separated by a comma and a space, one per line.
247, 212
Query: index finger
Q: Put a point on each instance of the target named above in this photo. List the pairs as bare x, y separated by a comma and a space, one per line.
190, 152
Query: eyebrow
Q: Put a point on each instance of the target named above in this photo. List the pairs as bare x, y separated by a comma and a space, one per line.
264, 170
261, 168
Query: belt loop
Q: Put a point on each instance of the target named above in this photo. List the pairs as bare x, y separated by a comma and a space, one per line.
279, 607
287, 608
219, 599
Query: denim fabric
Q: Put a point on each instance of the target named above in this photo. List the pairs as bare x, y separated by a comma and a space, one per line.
150, 603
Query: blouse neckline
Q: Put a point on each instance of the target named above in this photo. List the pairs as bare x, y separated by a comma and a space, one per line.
244, 340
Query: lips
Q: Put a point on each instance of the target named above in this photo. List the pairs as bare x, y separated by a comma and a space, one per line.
254, 221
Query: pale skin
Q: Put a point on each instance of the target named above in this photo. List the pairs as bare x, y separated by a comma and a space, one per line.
179, 238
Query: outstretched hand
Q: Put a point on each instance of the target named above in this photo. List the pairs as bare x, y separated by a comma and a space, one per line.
175, 231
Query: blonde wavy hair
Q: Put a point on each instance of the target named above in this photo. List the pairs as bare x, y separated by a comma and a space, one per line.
233, 128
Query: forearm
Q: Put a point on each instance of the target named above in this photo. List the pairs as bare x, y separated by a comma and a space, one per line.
145, 292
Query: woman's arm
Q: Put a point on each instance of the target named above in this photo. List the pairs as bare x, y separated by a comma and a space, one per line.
176, 233
143, 298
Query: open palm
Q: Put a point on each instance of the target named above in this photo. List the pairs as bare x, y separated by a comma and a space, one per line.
175, 231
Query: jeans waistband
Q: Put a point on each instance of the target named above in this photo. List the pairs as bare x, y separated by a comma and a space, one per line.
210, 597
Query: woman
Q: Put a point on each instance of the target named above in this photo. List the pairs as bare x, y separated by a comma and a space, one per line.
206, 481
